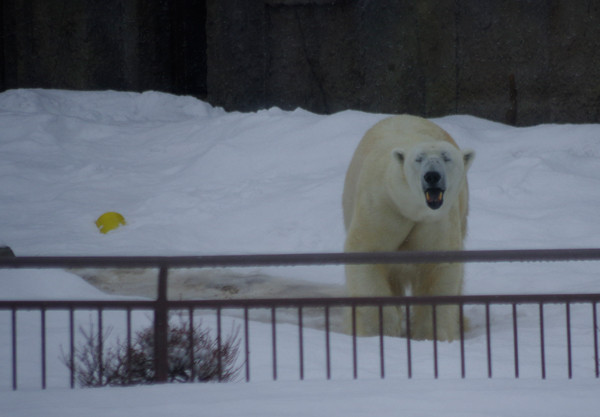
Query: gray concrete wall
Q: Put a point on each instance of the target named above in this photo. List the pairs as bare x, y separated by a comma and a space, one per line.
514, 61
131, 45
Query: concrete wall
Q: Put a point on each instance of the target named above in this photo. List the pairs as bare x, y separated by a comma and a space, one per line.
515, 61
131, 45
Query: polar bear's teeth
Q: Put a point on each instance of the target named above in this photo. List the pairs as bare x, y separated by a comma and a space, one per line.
438, 196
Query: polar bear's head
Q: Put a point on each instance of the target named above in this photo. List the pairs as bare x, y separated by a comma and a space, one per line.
433, 174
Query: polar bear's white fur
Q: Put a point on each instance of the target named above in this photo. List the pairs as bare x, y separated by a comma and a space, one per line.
406, 189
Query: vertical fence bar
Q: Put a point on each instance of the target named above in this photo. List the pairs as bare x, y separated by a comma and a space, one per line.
219, 345
191, 344
354, 344
13, 320
274, 340
515, 339
71, 348
301, 342
129, 347
43, 340
595, 324
435, 346
569, 350
100, 348
381, 348
461, 323
488, 338
327, 344
542, 342
247, 344
408, 337
161, 328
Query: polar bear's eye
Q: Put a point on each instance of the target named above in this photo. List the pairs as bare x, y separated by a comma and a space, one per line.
445, 157
419, 159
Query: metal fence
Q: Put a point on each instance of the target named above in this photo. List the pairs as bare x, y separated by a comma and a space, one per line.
161, 307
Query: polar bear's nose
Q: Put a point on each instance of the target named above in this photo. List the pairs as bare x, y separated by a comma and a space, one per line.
432, 177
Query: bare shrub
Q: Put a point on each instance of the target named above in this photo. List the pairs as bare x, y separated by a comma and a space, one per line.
201, 358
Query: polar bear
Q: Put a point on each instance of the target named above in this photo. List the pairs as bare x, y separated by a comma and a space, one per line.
406, 189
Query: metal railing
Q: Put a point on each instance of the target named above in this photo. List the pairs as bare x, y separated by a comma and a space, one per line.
161, 306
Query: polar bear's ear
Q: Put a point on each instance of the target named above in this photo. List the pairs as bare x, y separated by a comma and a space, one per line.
468, 156
398, 154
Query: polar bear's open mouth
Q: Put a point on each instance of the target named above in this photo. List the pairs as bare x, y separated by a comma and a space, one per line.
434, 198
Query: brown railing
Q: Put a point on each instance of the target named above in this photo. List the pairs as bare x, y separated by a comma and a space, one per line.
161, 305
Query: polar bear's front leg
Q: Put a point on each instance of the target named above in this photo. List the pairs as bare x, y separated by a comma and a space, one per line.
371, 281
381, 233
444, 279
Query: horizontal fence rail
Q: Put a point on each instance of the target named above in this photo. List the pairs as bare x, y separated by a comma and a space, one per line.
296, 259
161, 306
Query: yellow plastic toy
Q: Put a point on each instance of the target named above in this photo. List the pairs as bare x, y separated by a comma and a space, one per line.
110, 221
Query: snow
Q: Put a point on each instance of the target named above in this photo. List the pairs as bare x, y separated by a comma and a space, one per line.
22, 284
193, 179
495, 398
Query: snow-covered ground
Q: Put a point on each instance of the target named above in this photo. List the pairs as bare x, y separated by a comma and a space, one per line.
192, 179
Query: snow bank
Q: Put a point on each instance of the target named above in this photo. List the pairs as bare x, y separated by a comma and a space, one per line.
193, 179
